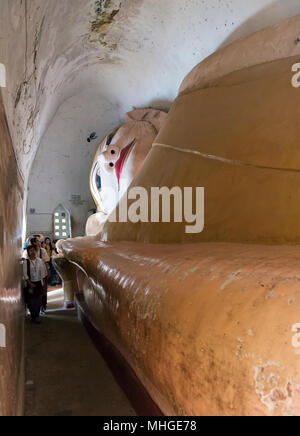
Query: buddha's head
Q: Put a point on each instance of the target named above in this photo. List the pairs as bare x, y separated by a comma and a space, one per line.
119, 158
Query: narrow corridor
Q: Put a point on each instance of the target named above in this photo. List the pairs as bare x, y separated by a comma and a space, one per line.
65, 375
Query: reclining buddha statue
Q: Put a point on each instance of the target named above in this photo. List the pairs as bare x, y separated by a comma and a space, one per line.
209, 322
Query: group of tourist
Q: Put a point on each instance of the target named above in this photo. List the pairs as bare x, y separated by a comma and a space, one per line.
38, 273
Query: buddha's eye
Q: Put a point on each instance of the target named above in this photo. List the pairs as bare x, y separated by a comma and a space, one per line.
111, 165
113, 152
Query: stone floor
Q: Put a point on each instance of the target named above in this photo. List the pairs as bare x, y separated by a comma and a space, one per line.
65, 375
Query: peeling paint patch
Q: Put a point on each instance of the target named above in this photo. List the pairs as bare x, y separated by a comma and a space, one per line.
240, 349
233, 277
105, 12
241, 353
270, 295
188, 272
274, 392
214, 277
296, 337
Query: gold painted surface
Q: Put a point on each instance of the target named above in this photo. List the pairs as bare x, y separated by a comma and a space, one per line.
267, 45
210, 325
67, 272
208, 328
240, 141
11, 310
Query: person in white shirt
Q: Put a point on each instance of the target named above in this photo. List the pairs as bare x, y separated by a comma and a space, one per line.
41, 253
33, 274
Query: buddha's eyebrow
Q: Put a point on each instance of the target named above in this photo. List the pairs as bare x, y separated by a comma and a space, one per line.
110, 137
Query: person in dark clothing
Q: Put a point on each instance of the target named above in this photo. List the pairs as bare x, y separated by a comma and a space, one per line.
55, 278
33, 272
42, 254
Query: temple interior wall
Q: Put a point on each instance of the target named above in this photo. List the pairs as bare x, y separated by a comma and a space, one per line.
66, 77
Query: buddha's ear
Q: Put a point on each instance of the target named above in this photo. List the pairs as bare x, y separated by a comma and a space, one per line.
155, 117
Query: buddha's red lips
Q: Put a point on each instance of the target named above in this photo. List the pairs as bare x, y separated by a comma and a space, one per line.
120, 163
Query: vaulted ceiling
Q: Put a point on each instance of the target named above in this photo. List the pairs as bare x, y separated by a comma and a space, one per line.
110, 55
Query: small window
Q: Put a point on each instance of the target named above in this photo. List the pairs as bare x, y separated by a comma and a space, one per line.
62, 223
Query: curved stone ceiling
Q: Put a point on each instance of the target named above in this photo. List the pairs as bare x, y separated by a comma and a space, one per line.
121, 53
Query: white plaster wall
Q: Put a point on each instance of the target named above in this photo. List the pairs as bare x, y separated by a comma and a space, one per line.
151, 43
62, 164
139, 60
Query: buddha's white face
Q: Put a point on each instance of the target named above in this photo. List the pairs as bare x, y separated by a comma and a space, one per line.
113, 172
120, 156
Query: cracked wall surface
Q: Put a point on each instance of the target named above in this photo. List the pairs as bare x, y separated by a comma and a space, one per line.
11, 308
